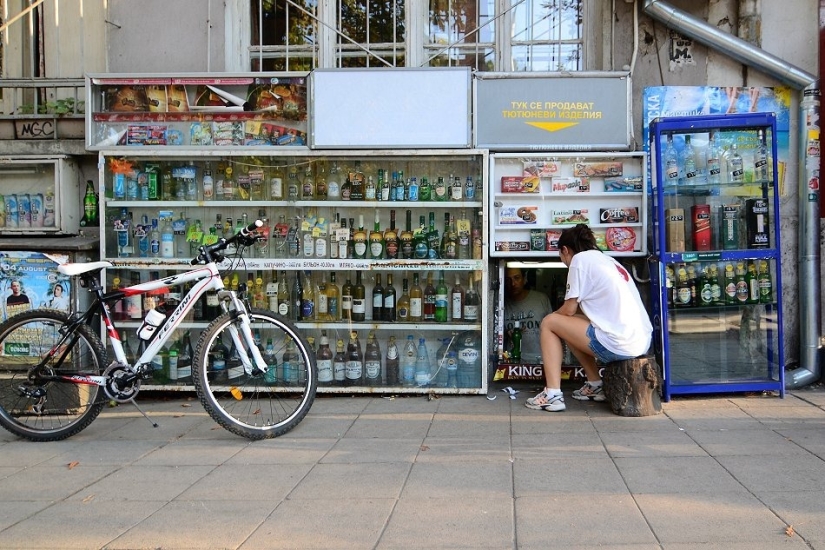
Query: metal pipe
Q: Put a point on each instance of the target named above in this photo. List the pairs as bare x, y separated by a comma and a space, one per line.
809, 269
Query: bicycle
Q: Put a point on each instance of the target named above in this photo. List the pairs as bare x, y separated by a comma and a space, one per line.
55, 376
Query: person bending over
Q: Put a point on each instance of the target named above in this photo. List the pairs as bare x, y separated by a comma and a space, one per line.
615, 325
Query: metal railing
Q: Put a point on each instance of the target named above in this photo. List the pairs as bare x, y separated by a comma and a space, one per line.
22, 97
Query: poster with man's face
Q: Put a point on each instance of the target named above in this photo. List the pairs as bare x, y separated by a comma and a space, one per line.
30, 280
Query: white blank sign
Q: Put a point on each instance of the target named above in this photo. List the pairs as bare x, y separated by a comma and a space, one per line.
390, 108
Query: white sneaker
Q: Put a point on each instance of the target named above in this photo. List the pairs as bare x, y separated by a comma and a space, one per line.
544, 402
588, 392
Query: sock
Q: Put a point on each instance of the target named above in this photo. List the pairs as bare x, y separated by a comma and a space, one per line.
552, 391
595, 384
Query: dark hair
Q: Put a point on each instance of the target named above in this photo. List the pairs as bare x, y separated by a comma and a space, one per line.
578, 239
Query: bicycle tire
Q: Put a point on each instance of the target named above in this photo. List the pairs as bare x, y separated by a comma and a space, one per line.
253, 405
69, 407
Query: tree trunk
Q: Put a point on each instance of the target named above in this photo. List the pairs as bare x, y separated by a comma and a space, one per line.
632, 387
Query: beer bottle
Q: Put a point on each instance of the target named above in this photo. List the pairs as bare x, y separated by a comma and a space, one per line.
391, 362
765, 283
324, 361
372, 362
339, 364
742, 291
355, 363
90, 216
753, 284
730, 284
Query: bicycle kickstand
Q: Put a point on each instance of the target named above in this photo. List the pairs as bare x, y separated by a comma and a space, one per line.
152, 422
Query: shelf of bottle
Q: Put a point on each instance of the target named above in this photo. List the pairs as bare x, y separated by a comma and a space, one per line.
713, 308
389, 325
521, 197
522, 227
175, 204
555, 253
719, 255
187, 385
723, 188
309, 264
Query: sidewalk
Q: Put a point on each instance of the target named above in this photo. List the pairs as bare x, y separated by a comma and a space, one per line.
731, 472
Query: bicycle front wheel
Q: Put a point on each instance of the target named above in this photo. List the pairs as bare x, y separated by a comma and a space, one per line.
48, 407
254, 404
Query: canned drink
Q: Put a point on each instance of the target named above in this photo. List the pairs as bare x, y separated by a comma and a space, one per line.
24, 210
12, 215
37, 210
48, 209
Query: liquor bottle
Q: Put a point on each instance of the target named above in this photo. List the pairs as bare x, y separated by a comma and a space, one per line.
307, 298
308, 184
714, 160
259, 299
433, 239
421, 246
124, 236
671, 163
179, 227
296, 298
691, 172
323, 359
742, 290
118, 308
472, 302
359, 299
761, 166
293, 240
141, 236
271, 360
343, 245
425, 191
276, 183
230, 191
469, 189
412, 189
90, 215
730, 284
422, 364
186, 355
406, 238
475, 235
234, 366
372, 362
392, 362
346, 188
333, 299
457, 300
441, 300
167, 240
321, 299
190, 182
370, 190
416, 301
735, 166
399, 184
391, 239
272, 293
334, 183
152, 183
765, 283
383, 187
289, 364
284, 308
515, 339
440, 190
293, 187
403, 307
339, 365
670, 285
429, 299
377, 299
358, 183
321, 187
753, 284
407, 362
389, 313
346, 300
226, 233
450, 240
376, 240
457, 190
355, 362
360, 239
463, 228
194, 236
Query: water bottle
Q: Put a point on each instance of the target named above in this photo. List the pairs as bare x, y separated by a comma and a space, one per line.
408, 360
271, 360
440, 378
422, 364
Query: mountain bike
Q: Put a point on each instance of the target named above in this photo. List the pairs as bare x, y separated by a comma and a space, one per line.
55, 376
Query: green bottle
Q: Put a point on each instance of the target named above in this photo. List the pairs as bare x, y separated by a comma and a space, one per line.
441, 300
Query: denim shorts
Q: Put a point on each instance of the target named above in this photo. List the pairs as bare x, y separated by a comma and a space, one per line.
603, 354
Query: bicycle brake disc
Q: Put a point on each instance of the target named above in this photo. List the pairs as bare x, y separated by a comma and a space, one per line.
122, 384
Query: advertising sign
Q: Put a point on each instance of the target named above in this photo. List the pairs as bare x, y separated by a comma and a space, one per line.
30, 280
553, 113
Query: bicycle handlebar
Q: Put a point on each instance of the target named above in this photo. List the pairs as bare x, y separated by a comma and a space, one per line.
247, 237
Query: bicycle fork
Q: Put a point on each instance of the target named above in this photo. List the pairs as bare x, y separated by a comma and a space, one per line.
242, 337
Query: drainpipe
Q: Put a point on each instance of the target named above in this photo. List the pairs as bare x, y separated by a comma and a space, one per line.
809, 254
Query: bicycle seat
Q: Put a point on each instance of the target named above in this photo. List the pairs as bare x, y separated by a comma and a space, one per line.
79, 268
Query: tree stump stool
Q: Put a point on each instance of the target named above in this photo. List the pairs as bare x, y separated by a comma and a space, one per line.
632, 386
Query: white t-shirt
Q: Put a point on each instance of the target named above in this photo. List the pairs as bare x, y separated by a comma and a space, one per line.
609, 298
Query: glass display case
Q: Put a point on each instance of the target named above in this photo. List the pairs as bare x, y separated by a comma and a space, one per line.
379, 250
716, 270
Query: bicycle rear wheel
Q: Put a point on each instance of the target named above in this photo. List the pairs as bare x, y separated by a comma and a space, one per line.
255, 405
47, 410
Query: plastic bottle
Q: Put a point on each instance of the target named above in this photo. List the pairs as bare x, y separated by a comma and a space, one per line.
422, 364
167, 240
271, 360
407, 363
